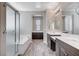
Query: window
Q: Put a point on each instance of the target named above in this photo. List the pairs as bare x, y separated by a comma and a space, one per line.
37, 25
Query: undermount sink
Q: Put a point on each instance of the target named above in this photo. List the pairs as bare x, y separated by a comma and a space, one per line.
56, 35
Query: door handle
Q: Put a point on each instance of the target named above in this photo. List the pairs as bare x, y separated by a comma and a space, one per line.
4, 32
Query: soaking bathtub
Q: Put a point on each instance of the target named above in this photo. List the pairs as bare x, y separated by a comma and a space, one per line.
25, 41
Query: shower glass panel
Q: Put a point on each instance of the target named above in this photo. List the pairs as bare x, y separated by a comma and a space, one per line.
10, 31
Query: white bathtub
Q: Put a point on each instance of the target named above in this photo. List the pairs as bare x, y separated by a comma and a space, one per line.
25, 41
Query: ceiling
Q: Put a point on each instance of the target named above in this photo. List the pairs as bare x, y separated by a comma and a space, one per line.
33, 6
69, 6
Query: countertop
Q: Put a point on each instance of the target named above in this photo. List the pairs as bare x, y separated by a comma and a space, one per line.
71, 39
54, 32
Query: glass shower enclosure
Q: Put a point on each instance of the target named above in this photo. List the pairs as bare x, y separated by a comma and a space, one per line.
12, 31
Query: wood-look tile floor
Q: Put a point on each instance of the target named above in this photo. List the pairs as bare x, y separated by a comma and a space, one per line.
38, 48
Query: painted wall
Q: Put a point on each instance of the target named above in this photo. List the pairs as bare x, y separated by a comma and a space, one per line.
2, 29
25, 23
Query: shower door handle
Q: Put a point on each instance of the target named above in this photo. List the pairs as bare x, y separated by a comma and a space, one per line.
4, 32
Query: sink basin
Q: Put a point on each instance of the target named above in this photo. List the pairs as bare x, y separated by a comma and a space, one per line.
56, 35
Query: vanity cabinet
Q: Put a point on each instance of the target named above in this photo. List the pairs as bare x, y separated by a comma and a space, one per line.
37, 35
64, 49
51, 42
60, 51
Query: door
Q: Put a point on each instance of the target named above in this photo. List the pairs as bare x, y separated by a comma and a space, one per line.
10, 31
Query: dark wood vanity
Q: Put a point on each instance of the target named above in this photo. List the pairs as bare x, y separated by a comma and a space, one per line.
37, 35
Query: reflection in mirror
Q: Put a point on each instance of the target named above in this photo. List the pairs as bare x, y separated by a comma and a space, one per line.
58, 23
68, 23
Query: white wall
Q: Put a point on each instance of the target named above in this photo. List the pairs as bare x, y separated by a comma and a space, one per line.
25, 23
2, 29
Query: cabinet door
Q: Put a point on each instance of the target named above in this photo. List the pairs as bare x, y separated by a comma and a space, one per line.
57, 49
62, 52
48, 40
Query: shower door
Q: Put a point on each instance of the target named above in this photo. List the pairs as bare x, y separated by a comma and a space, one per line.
10, 32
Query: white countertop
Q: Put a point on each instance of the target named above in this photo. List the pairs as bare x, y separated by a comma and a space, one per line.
70, 39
